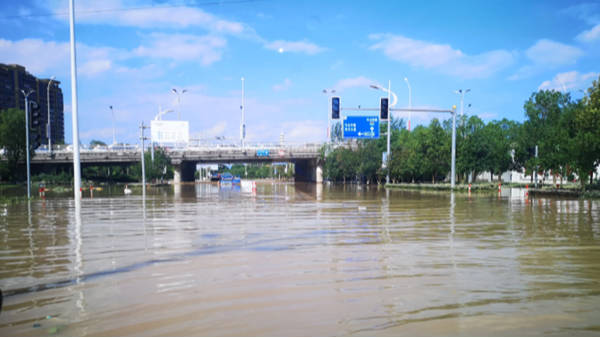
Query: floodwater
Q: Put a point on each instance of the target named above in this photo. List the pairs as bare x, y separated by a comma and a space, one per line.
289, 260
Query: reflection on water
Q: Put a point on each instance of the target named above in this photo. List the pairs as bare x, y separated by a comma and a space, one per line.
299, 260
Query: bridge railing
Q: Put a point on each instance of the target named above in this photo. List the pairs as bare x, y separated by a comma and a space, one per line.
203, 147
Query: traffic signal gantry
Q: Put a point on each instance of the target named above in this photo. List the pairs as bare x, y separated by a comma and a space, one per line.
384, 115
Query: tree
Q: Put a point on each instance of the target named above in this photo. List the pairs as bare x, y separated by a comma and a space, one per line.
545, 127
97, 143
154, 169
583, 121
13, 140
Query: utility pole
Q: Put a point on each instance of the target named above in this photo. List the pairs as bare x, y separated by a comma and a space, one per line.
453, 180
48, 131
243, 131
389, 123
76, 160
142, 138
27, 139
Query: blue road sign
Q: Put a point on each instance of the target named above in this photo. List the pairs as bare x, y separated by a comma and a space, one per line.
262, 152
365, 127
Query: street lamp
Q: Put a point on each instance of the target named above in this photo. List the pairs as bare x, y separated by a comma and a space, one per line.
584, 92
462, 96
48, 126
178, 99
27, 138
409, 99
160, 113
328, 112
113, 120
243, 126
389, 122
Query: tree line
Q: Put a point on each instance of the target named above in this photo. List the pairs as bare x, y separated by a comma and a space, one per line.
565, 131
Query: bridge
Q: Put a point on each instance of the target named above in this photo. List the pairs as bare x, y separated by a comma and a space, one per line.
305, 156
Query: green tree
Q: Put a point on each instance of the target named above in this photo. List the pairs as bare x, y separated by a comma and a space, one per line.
13, 141
154, 169
583, 121
97, 143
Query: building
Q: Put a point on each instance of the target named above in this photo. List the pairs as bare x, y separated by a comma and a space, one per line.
13, 79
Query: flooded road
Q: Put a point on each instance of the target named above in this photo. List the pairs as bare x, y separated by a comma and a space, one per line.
299, 260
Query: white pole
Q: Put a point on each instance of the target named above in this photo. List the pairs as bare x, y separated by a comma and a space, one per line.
328, 118
27, 141
243, 125
453, 147
113, 120
48, 131
387, 178
409, 103
76, 163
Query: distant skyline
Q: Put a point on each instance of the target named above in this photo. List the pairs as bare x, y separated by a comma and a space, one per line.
132, 53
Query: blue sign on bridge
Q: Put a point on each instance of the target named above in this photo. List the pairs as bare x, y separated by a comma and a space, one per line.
262, 152
364, 127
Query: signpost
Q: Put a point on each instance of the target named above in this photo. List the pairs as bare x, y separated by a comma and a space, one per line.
170, 131
282, 153
262, 152
360, 127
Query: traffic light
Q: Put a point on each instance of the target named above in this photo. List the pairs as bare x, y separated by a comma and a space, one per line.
34, 114
35, 140
384, 108
335, 108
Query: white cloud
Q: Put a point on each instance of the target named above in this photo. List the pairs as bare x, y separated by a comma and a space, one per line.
283, 86
94, 67
294, 47
546, 54
584, 11
487, 116
217, 130
590, 35
104, 133
442, 58
263, 16
360, 81
207, 49
551, 54
572, 80
305, 131
337, 65
137, 13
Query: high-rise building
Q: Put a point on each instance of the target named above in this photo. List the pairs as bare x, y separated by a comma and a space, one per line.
13, 79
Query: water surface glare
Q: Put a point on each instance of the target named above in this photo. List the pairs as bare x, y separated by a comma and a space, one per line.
299, 260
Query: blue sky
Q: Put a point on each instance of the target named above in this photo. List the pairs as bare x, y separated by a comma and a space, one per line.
289, 51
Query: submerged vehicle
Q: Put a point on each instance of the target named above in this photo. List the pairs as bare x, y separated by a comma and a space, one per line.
236, 179
226, 178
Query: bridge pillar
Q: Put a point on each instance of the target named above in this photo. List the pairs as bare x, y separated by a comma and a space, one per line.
184, 172
308, 171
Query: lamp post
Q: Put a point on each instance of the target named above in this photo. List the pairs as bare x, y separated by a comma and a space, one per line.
409, 99
48, 131
563, 84
243, 126
328, 113
113, 120
462, 93
27, 139
389, 122
74, 109
160, 113
178, 101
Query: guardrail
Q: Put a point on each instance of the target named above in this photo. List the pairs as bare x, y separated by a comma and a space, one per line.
252, 146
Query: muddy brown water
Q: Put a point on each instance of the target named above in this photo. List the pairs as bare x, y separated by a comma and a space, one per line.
291, 260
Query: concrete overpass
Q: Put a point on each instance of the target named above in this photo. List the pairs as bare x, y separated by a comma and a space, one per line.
305, 157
